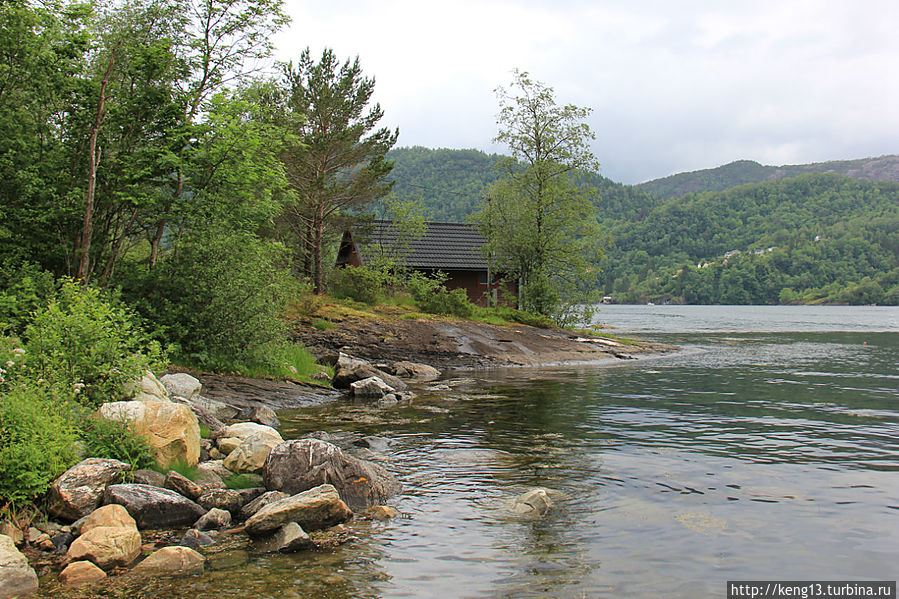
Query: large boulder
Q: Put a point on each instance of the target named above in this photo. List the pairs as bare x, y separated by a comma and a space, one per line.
317, 508
112, 515
182, 485
348, 370
414, 370
208, 412
82, 572
371, 388
153, 507
290, 538
235, 434
148, 388
302, 464
171, 560
16, 576
107, 546
79, 490
252, 452
181, 384
171, 429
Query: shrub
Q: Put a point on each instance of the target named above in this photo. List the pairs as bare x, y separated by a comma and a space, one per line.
104, 438
37, 440
220, 296
431, 296
87, 343
361, 284
528, 318
23, 290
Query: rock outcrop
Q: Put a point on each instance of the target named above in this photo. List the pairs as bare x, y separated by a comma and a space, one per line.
302, 464
171, 429
78, 491
317, 508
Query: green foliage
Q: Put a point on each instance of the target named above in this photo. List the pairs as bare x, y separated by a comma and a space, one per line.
103, 438
280, 359
431, 296
88, 344
336, 159
219, 297
37, 440
23, 290
362, 284
528, 318
539, 219
241, 481
181, 467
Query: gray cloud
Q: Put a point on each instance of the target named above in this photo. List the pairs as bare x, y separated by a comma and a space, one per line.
674, 85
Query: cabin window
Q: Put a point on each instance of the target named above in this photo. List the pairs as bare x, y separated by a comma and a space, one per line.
482, 279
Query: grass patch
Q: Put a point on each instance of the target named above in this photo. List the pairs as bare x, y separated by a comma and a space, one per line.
321, 324
241, 481
204, 431
181, 467
284, 360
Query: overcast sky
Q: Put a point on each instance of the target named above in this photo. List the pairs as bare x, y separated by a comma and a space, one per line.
674, 85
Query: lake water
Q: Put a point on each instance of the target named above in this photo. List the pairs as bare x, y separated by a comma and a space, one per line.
767, 449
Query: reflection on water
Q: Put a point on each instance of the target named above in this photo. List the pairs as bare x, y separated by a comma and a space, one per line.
751, 456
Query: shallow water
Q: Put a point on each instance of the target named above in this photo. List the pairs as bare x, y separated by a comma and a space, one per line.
767, 449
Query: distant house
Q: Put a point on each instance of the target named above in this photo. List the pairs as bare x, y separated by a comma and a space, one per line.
452, 248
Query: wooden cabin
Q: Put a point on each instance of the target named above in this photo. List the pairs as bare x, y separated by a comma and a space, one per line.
452, 248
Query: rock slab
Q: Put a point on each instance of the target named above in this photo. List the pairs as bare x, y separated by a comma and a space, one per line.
153, 507
302, 464
317, 508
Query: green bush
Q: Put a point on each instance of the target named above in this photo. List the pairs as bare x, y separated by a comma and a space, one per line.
219, 296
360, 284
103, 438
431, 296
23, 290
528, 318
37, 440
89, 344
12, 362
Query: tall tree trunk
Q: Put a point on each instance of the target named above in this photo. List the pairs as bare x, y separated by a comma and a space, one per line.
319, 234
87, 225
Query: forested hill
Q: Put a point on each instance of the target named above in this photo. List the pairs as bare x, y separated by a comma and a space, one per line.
813, 238
883, 168
450, 184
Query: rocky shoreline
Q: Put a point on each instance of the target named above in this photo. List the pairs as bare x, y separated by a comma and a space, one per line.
280, 495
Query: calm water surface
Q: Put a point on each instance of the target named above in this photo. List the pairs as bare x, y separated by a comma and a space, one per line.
767, 449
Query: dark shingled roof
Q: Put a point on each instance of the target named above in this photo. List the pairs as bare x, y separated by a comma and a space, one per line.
445, 246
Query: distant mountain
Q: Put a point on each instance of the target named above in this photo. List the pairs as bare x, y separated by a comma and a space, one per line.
739, 234
450, 184
883, 168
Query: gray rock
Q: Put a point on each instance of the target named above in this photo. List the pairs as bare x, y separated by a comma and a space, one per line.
259, 503
250, 455
290, 538
170, 560
16, 576
302, 464
414, 370
535, 502
79, 490
182, 485
153, 507
182, 384
148, 477
193, 538
348, 370
317, 508
148, 388
231, 500
265, 415
371, 388
214, 519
